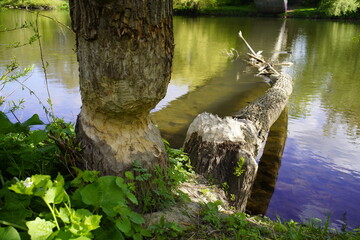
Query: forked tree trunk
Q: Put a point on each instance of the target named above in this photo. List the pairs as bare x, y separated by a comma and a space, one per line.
125, 51
225, 150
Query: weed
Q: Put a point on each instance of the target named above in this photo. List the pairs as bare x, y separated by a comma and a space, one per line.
238, 170
165, 230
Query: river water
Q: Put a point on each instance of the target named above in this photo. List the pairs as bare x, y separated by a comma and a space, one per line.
311, 163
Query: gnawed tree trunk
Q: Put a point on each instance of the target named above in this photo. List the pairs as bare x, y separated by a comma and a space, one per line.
125, 51
225, 150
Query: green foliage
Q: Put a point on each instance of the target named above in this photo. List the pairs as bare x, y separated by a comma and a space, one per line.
112, 197
339, 7
158, 189
24, 152
238, 170
165, 230
35, 4
210, 213
9, 233
69, 223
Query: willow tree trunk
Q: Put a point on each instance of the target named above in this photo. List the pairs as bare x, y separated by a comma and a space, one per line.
125, 51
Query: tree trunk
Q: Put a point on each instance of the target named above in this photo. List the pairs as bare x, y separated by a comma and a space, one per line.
226, 150
271, 6
125, 51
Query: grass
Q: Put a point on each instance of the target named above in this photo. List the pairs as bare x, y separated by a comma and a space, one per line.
216, 225
35, 4
246, 10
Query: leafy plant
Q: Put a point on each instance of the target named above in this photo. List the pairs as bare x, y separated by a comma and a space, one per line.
69, 223
165, 230
210, 213
158, 189
238, 170
112, 198
339, 7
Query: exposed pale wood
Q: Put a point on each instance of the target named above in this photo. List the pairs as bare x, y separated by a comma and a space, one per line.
125, 51
217, 145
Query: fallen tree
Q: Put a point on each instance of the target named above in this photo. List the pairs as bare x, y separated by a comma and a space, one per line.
225, 149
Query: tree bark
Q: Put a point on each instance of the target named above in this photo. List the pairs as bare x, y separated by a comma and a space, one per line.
125, 51
221, 149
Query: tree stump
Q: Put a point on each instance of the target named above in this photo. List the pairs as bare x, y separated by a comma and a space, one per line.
225, 149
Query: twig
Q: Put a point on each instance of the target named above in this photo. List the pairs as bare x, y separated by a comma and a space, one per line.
249, 47
43, 65
54, 19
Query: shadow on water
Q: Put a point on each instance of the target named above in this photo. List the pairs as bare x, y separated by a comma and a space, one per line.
223, 95
269, 166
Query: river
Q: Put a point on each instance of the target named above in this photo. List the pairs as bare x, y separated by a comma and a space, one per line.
311, 163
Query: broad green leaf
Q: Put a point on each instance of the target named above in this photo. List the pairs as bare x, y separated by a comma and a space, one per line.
56, 193
34, 120
103, 193
136, 218
64, 215
9, 233
123, 224
34, 185
40, 229
125, 188
132, 198
37, 136
83, 221
6, 126
122, 209
14, 207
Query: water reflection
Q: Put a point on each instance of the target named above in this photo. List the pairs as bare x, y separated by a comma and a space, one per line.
269, 167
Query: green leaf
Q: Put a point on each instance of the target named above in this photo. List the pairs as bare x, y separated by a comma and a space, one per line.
37, 136
6, 126
64, 215
34, 120
145, 233
137, 236
56, 193
9, 233
103, 193
132, 198
14, 207
129, 175
83, 222
136, 218
40, 229
34, 185
123, 224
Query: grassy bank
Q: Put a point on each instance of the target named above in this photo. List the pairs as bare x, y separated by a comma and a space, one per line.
243, 11
35, 4
315, 13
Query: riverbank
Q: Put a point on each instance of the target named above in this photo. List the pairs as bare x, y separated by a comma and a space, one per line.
250, 11
35, 4
195, 10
